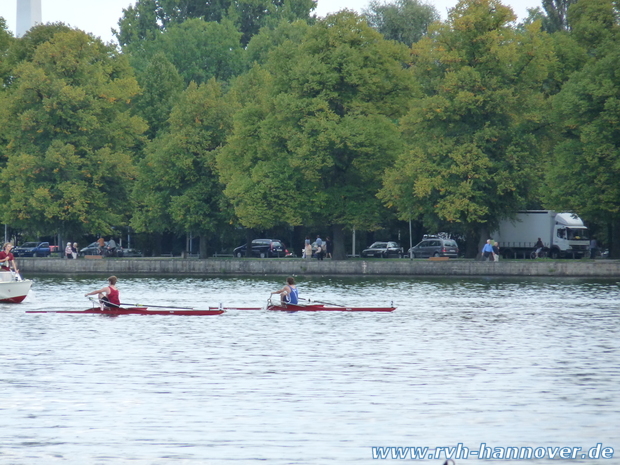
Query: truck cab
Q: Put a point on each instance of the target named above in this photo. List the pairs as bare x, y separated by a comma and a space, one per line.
570, 236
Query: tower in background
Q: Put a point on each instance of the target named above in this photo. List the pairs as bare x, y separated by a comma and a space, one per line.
28, 15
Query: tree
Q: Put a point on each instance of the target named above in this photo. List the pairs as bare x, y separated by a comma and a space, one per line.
147, 17
199, 50
555, 15
178, 189
70, 137
472, 156
317, 129
584, 174
6, 40
24, 48
263, 43
403, 20
161, 87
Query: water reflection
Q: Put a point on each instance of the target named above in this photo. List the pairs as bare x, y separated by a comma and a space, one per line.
520, 362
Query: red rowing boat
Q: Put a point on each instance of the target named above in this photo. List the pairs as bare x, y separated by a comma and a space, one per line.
316, 307
134, 311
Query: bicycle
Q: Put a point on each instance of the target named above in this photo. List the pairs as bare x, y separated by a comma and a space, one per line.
541, 254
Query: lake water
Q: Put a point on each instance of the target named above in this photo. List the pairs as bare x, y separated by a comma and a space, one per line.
505, 362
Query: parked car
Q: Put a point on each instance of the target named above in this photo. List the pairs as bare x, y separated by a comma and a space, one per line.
93, 249
32, 249
435, 246
132, 253
383, 250
263, 248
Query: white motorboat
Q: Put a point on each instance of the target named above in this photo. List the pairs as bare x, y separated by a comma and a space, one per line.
13, 289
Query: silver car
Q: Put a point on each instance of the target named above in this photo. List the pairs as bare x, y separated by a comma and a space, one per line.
435, 247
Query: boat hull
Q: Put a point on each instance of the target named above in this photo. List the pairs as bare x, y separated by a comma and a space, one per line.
14, 292
326, 308
133, 311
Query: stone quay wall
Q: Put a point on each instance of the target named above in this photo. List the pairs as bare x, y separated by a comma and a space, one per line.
301, 267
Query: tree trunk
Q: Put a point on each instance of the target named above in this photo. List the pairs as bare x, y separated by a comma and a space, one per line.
484, 235
338, 241
614, 238
204, 246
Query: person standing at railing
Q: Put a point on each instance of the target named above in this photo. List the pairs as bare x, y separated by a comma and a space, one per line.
69, 250
593, 248
487, 251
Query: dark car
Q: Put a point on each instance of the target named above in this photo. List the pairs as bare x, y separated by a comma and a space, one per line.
132, 253
435, 246
32, 249
263, 248
383, 250
93, 249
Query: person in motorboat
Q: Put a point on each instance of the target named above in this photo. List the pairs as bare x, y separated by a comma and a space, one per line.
109, 295
7, 258
289, 294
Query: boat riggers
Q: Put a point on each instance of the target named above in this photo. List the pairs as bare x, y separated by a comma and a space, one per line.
158, 306
323, 307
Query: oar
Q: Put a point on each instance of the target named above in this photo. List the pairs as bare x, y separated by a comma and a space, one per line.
324, 303
159, 306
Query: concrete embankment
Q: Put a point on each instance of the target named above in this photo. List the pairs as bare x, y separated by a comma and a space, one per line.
297, 267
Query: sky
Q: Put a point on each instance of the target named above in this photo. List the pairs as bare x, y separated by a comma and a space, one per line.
100, 16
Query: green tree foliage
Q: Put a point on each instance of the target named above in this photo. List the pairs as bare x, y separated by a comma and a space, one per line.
140, 22
199, 50
268, 39
554, 18
317, 129
24, 48
178, 189
69, 137
406, 21
594, 22
6, 39
472, 156
161, 86
584, 174
143, 20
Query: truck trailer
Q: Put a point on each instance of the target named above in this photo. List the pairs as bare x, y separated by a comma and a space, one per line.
563, 234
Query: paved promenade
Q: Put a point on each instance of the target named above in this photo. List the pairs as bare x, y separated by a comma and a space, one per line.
299, 267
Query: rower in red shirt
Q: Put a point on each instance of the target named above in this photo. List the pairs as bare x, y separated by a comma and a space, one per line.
109, 295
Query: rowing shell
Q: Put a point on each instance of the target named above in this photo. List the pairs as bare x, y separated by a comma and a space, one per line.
326, 308
134, 311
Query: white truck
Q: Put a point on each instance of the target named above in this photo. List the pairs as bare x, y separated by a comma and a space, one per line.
562, 234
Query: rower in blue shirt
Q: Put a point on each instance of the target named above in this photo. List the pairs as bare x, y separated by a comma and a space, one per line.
289, 293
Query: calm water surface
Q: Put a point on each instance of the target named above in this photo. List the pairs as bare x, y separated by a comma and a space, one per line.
521, 362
